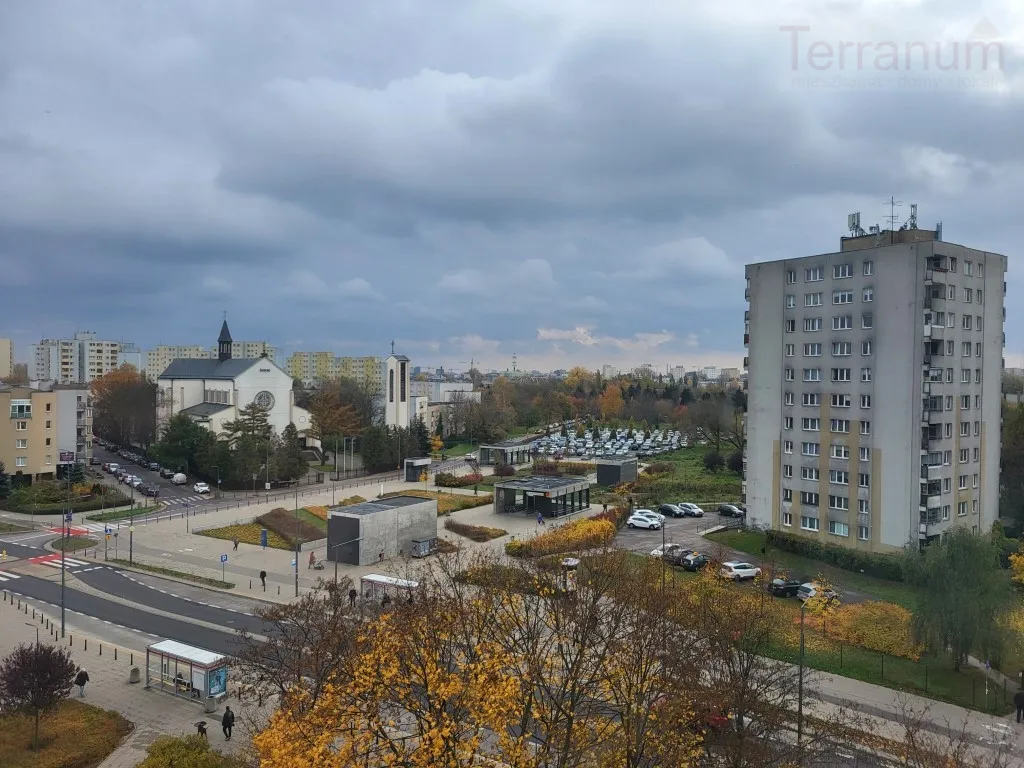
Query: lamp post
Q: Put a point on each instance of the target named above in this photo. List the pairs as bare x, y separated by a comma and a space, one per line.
335, 546
298, 544
186, 515
131, 542
218, 480
30, 624
800, 684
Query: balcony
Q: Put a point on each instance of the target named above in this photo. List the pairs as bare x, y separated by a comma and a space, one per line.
746, 362
930, 516
746, 339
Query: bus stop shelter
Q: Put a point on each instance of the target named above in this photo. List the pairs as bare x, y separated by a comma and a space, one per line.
373, 586
186, 671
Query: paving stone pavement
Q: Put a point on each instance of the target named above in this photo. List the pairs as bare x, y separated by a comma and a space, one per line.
153, 713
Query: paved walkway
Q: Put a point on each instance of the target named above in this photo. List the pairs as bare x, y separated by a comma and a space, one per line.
153, 713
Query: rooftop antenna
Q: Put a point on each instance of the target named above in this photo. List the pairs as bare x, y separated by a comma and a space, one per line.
893, 205
514, 361
912, 221
853, 223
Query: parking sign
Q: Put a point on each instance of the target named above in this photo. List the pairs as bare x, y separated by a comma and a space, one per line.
223, 558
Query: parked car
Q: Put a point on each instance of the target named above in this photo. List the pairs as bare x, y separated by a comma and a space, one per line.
690, 510
149, 490
637, 520
784, 587
694, 562
201, 488
112, 468
179, 479
735, 570
154, 467
136, 482
730, 510
661, 549
93, 461
811, 589
166, 473
677, 557
671, 510
650, 513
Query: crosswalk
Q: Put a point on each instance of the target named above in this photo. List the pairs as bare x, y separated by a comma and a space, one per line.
54, 561
197, 499
8, 576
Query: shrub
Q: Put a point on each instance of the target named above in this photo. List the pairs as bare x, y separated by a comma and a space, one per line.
659, 468
448, 480
586, 533
173, 751
617, 516
882, 566
713, 461
248, 533
447, 502
283, 522
577, 467
504, 470
735, 462
546, 469
479, 533
877, 626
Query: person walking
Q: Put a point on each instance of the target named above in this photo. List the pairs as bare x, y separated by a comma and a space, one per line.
381, 557
352, 595
1018, 700
263, 580
80, 680
312, 560
540, 518
235, 542
227, 723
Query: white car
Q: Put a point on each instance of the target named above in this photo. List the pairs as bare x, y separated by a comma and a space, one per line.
201, 488
737, 571
690, 510
650, 513
659, 551
643, 521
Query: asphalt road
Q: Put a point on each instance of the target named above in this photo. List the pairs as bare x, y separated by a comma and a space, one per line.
127, 616
115, 582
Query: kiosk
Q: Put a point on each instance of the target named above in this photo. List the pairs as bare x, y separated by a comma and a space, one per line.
186, 671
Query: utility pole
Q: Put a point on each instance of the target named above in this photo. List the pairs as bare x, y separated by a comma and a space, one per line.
800, 685
297, 543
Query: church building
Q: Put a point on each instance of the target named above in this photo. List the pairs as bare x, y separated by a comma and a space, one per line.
212, 391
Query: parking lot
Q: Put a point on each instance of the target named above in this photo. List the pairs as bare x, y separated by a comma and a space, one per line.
169, 493
684, 530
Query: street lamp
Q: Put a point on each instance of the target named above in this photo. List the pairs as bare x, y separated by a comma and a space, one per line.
131, 541
335, 546
298, 544
800, 684
218, 480
30, 624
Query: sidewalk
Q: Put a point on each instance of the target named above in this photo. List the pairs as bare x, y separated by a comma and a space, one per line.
153, 713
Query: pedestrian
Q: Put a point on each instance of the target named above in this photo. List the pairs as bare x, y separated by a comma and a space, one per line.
1018, 700
80, 680
540, 518
312, 560
380, 558
352, 595
263, 579
227, 723
385, 600
235, 542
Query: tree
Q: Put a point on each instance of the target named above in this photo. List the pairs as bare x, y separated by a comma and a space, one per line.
611, 402
181, 443
291, 464
5, 482
18, 377
735, 462
252, 421
1011, 463
713, 421
35, 678
124, 407
963, 592
439, 426
331, 417
1013, 384
713, 461
422, 436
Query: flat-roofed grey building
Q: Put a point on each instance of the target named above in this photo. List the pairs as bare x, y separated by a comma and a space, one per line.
614, 470
549, 496
358, 534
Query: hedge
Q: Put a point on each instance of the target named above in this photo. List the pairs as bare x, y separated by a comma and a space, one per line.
89, 505
577, 536
504, 470
882, 566
448, 480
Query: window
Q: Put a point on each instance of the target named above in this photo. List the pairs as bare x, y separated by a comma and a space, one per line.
977, 322
965, 455
812, 399
838, 502
947, 485
862, 532
791, 326
869, 267
839, 477
865, 427
977, 402
787, 422
951, 293
810, 449
865, 347
863, 507
865, 453
842, 297
949, 429
790, 301
812, 324
947, 458
809, 523
969, 268
961, 508
787, 446
787, 517
869, 294
966, 322
47, 442
790, 276
48, 424
21, 409
22, 443
812, 299
49, 405
977, 428
974, 453
812, 350
814, 274
840, 374
787, 470
945, 512
840, 425
977, 378
789, 398
863, 480
974, 480
965, 402
789, 374
49, 459
808, 424
951, 320
21, 461
790, 350
867, 320
968, 295
812, 374
840, 451
809, 473
949, 403
981, 269
950, 347
865, 374
965, 375
21, 426
841, 348
962, 482
839, 271
977, 349
980, 297
838, 529
842, 323
965, 429
865, 401
840, 401
965, 347
809, 498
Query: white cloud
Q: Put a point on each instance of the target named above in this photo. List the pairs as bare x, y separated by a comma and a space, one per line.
304, 284
583, 336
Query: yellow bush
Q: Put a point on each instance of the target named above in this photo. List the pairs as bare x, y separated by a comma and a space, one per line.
448, 502
877, 626
320, 512
571, 537
247, 533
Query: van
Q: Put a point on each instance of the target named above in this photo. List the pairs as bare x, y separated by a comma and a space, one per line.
179, 479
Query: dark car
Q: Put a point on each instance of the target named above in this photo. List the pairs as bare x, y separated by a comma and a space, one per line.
730, 510
167, 473
93, 461
676, 555
149, 490
784, 587
694, 561
671, 510
154, 466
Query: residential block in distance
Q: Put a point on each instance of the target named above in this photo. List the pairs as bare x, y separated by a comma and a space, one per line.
874, 390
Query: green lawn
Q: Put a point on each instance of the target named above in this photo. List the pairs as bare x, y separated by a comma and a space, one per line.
12, 528
688, 481
184, 575
308, 517
460, 449
72, 734
74, 543
752, 542
122, 514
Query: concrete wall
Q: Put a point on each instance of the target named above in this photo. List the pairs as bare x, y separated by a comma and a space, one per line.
390, 530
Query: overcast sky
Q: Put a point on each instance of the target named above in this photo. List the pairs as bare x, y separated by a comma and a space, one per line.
577, 182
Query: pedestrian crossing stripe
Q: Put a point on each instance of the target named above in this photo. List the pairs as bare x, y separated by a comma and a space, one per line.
7, 576
68, 563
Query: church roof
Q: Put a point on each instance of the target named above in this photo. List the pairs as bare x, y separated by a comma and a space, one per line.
205, 410
185, 368
225, 334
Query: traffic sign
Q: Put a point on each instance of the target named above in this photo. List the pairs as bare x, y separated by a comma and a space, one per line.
106, 530
293, 563
223, 558
68, 516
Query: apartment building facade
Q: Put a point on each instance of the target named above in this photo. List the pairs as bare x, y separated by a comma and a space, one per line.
6, 358
160, 357
311, 367
78, 360
874, 390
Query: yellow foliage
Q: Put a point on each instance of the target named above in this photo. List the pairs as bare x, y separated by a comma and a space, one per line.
576, 536
877, 626
247, 533
1017, 566
448, 502
320, 512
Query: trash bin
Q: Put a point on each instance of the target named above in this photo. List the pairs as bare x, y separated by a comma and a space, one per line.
211, 705
134, 676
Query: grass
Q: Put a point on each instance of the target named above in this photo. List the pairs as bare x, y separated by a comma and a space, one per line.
459, 449
12, 528
183, 575
688, 481
74, 543
247, 533
752, 542
307, 517
323, 467
122, 514
73, 735
448, 502
478, 533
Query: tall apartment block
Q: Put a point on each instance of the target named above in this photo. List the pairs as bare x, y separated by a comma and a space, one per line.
81, 359
874, 390
43, 426
6, 358
160, 357
313, 366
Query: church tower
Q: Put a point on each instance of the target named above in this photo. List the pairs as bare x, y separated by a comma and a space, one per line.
224, 343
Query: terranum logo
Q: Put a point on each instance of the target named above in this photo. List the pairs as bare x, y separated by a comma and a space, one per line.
976, 62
